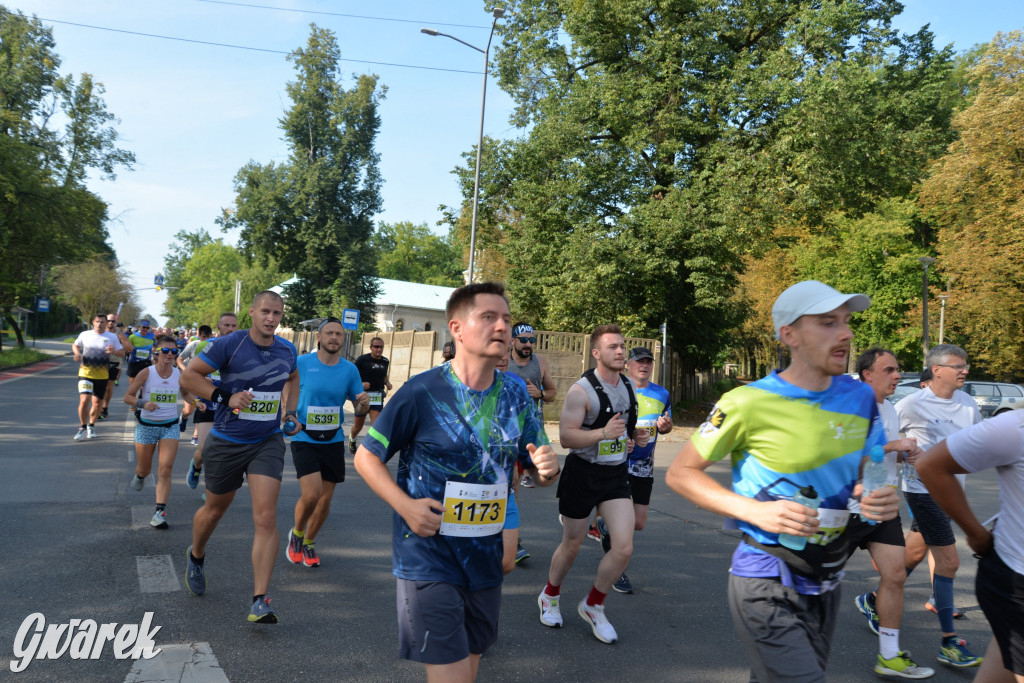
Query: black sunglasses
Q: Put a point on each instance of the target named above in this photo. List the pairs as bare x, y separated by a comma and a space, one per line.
376, 346
165, 350
527, 340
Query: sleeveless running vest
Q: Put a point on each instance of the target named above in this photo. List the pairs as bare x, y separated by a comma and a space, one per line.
530, 371
606, 400
164, 393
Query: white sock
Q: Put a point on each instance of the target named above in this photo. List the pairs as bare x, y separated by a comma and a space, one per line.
888, 642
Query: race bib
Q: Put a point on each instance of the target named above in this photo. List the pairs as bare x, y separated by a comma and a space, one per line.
611, 450
142, 354
831, 525
322, 418
263, 408
376, 398
650, 425
472, 510
165, 398
84, 386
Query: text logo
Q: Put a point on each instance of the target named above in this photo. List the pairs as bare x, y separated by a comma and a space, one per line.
81, 639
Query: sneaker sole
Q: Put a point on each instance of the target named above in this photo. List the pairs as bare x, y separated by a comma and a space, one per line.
161, 525
311, 566
265, 619
892, 673
960, 665
521, 558
593, 626
541, 606
622, 590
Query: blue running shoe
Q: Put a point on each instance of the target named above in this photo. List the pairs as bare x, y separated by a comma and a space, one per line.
623, 585
192, 478
955, 653
260, 613
195, 577
864, 604
521, 553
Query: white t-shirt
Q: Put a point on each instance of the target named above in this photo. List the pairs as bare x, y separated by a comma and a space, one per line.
95, 358
999, 443
929, 419
891, 425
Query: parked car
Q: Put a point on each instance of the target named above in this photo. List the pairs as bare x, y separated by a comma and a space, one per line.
994, 398
905, 388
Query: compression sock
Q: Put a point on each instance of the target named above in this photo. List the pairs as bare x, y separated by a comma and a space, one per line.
943, 588
596, 597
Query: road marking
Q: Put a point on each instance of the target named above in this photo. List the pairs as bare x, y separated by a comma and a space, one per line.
192, 662
156, 574
141, 514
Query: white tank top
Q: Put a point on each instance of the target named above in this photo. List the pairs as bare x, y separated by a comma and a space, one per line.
164, 393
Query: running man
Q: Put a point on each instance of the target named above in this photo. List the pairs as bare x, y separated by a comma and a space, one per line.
114, 369
93, 349
883, 607
999, 585
142, 347
598, 426
373, 369
929, 416
157, 413
254, 365
326, 381
807, 426
513, 552
459, 428
191, 350
534, 370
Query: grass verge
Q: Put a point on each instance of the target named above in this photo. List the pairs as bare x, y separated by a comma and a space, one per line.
15, 357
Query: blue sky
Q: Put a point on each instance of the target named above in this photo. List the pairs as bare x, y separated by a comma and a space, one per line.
194, 114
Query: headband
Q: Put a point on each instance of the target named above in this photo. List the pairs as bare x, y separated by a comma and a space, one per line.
330, 319
522, 328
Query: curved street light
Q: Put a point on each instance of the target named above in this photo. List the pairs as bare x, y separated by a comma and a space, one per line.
497, 13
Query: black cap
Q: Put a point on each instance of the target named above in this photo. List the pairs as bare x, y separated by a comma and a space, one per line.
639, 352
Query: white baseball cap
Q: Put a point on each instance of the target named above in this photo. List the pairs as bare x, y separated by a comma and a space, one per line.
811, 297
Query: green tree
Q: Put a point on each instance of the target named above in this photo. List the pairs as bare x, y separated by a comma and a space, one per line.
664, 142
313, 213
47, 215
414, 254
95, 286
974, 195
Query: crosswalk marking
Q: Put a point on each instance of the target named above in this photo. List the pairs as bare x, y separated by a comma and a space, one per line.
185, 662
156, 574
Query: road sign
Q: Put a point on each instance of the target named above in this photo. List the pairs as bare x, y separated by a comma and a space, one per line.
350, 318
158, 280
43, 305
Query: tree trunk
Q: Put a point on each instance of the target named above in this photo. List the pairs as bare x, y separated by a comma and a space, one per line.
14, 326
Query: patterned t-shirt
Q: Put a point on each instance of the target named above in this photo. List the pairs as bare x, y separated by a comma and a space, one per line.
244, 365
95, 359
450, 436
782, 438
652, 402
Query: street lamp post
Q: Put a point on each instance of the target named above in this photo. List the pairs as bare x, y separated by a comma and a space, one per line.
925, 261
497, 13
942, 316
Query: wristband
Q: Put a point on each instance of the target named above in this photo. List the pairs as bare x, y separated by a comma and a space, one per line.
360, 414
140, 403
220, 396
291, 412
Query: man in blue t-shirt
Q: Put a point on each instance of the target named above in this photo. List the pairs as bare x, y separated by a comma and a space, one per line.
460, 428
805, 429
326, 381
255, 366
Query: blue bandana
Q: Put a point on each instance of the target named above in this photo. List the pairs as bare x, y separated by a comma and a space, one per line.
522, 329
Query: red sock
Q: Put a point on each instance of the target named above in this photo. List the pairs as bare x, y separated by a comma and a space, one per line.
596, 597
552, 591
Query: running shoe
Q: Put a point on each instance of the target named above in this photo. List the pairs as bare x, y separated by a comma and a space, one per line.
606, 539
90, 432
195, 577
103, 414
159, 520
309, 556
182, 424
593, 533
260, 612
294, 550
138, 482
195, 440
594, 615
957, 612
526, 481
955, 653
351, 445
867, 608
902, 666
192, 478
550, 615
521, 553
80, 435
623, 585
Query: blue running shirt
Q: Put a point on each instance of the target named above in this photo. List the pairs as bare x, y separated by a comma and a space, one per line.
323, 390
781, 438
244, 365
653, 402
422, 422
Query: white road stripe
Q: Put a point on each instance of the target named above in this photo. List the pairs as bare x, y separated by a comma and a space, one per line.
156, 574
185, 663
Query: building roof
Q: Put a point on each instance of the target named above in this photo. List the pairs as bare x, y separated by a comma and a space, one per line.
400, 293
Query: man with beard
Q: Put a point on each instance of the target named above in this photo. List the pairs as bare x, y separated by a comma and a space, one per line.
326, 381
373, 369
534, 370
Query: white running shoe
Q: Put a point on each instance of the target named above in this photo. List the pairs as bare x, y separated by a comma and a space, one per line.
159, 520
550, 615
90, 433
138, 482
594, 615
80, 435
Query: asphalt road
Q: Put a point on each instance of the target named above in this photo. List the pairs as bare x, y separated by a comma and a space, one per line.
73, 551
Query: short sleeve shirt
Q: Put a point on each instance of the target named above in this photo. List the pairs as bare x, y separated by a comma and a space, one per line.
446, 432
999, 443
95, 359
930, 419
323, 389
652, 402
142, 347
244, 365
372, 370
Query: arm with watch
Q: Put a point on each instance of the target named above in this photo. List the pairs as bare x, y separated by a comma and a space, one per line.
194, 380
290, 399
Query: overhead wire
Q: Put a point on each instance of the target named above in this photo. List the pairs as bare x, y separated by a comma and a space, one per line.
337, 14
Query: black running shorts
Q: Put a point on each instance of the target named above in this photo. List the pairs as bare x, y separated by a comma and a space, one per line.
326, 458
583, 485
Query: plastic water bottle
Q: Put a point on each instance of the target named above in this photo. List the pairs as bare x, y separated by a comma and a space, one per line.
876, 475
805, 496
290, 425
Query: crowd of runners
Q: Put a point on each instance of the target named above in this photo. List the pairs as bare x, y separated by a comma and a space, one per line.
470, 431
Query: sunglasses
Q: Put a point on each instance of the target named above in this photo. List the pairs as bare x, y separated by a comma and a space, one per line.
527, 340
376, 346
165, 350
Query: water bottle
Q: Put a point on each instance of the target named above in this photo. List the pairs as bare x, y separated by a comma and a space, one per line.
290, 425
876, 475
805, 496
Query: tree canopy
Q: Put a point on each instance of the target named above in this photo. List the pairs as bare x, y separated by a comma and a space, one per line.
413, 253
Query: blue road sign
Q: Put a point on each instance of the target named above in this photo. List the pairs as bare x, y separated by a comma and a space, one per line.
350, 318
43, 305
